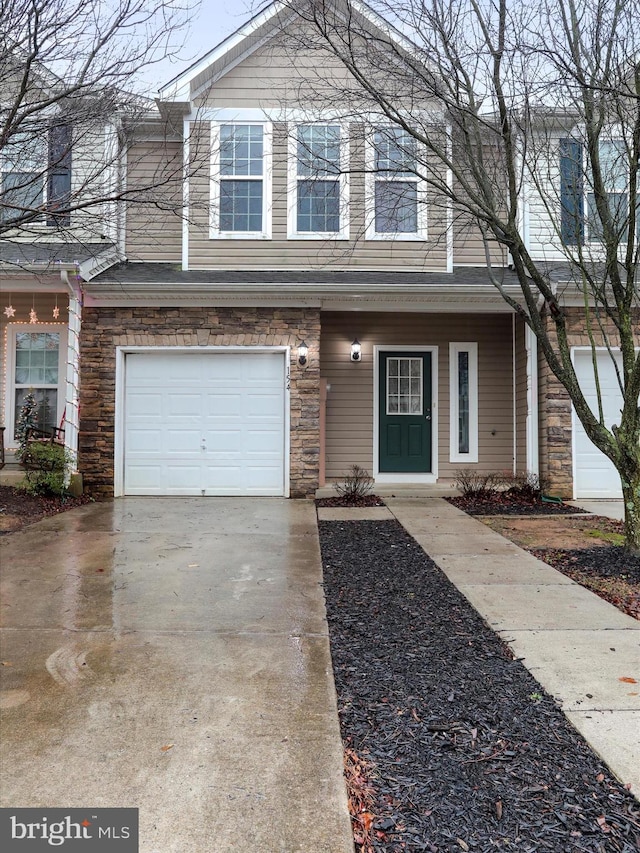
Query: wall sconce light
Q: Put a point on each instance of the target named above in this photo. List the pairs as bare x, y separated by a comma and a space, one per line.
303, 351
356, 350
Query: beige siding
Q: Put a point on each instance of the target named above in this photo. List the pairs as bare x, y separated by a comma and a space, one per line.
350, 433
280, 252
154, 226
521, 397
468, 247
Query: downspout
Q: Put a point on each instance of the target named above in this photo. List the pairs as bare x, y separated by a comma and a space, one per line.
72, 419
531, 344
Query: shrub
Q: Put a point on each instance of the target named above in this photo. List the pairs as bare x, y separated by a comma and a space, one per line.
356, 484
526, 486
46, 472
475, 484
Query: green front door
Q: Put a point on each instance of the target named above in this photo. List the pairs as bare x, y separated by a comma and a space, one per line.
405, 413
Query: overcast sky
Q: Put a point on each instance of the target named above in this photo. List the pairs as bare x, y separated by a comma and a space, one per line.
210, 24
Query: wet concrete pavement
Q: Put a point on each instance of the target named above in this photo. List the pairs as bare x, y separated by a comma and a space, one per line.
172, 655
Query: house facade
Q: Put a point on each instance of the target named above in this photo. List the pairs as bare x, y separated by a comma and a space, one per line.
312, 307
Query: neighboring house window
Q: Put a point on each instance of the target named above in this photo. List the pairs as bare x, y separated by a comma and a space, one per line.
319, 185
395, 202
36, 176
22, 161
37, 366
240, 180
580, 220
571, 193
463, 405
59, 175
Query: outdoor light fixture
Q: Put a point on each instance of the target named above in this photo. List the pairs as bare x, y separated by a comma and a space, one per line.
356, 350
303, 349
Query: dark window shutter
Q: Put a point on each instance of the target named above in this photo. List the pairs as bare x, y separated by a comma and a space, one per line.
59, 175
571, 192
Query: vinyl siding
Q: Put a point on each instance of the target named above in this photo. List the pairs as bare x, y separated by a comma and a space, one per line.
280, 252
349, 415
153, 223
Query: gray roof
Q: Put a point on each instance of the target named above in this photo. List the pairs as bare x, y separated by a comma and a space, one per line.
148, 273
48, 254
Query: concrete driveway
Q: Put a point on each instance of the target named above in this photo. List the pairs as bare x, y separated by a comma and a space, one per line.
172, 655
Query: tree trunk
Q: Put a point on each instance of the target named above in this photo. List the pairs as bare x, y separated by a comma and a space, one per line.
631, 498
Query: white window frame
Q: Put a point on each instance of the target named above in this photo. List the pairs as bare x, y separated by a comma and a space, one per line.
293, 178
215, 178
455, 348
12, 331
372, 178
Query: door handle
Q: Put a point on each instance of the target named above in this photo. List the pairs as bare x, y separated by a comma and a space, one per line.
427, 417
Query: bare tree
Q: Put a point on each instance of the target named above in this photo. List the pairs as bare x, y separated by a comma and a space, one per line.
509, 108
69, 108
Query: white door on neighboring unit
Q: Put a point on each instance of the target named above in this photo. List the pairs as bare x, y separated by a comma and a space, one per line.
209, 423
594, 474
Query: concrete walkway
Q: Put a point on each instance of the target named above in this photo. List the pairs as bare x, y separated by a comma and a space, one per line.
576, 645
172, 655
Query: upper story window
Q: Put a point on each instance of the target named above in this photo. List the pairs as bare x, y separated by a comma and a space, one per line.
240, 180
580, 220
319, 186
35, 177
395, 201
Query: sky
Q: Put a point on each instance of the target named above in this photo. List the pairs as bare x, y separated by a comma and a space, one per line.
212, 22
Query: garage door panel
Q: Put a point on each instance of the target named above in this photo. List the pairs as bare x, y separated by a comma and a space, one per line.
595, 475
209, 423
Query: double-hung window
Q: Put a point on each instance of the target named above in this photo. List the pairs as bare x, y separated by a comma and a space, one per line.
35, 177
395, 198
318, 207
580, 219
23, 167
614, 166
36, 365
240, 180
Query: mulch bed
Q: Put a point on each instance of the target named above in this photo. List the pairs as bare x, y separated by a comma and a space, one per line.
607, 570
461, 746
504, 504
362, 501
32, 508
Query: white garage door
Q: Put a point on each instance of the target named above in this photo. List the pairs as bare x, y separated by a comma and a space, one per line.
204, 423
595, 476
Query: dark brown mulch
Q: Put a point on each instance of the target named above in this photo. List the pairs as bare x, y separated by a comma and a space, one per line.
608, 570
504, 504
466, 750
339, 500
31, 508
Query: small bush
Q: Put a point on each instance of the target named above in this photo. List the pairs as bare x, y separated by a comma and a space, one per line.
475, 484
46, 472
356, 484
526, 486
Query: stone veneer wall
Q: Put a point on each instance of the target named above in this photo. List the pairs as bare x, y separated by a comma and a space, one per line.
556, 451
103, 329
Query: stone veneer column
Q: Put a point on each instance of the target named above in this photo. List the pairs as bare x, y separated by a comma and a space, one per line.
104, 329
556, 450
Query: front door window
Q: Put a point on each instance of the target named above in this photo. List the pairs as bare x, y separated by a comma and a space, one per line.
404, 386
